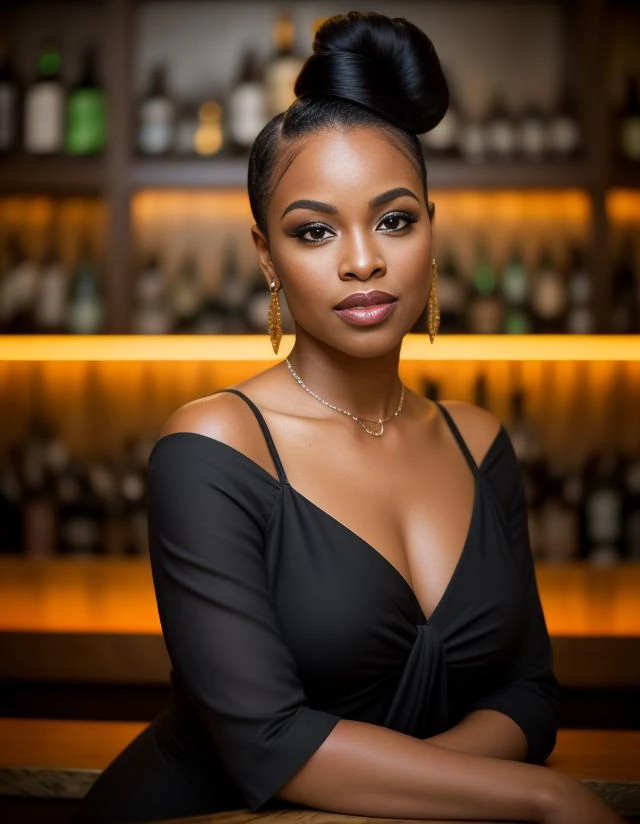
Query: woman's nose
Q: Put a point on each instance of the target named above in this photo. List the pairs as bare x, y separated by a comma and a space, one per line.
362, 260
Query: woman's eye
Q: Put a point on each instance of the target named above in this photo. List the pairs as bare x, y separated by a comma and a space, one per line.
396, 221
313, 233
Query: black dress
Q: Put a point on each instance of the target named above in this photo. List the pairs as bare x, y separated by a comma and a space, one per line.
279, 621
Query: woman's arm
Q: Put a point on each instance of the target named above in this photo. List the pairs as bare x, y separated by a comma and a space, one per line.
487, 733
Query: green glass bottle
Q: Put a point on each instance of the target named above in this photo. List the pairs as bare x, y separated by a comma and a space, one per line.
86, 112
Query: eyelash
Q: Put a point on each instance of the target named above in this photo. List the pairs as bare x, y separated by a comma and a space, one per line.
408, 217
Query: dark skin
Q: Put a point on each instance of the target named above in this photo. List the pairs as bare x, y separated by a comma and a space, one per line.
409, 493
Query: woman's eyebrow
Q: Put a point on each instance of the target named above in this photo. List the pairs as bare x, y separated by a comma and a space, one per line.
314, 205
374, 203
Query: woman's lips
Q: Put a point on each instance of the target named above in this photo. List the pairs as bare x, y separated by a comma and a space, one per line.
366, 315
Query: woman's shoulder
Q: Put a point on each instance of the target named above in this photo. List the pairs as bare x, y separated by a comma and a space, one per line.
220, 418
481, 429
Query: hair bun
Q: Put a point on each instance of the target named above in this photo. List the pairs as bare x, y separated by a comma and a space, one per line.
386, 64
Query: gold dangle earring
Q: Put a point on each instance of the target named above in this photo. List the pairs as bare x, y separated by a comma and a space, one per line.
433, 307
274, 318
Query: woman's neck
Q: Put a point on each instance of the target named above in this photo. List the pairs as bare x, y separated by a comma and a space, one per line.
367, 387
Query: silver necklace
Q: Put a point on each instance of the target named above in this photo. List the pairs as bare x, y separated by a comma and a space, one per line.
379, 423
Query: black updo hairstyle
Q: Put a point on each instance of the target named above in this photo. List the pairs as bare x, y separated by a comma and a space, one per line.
366, 70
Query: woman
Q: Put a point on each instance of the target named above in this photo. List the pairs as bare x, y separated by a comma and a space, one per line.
342, 567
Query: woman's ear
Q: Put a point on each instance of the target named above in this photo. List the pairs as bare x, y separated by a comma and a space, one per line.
264, 254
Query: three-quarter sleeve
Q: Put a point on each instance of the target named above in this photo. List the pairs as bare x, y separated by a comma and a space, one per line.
528, 689
207, 519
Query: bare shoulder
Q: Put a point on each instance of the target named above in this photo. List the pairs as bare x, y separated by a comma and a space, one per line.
226, 418
478, 426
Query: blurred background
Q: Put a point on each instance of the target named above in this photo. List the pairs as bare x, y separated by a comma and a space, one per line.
124, 132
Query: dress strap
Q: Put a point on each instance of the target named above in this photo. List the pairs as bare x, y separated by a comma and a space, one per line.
265, 431
461, 441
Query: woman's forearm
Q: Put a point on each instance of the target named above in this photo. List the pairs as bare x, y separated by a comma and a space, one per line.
365, 769
487, 733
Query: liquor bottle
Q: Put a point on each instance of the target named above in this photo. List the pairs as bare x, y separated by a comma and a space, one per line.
625, 318
50, 309
11, 501
156, 116
604, 509
209, 136
481, 391
472, 139
133, 491
564, 135
283, 68
257, 303
186, 128
85, 302
629, 122
246, 105
558, 519
443, 140
40, 522
485, 311
232, 290
80, 530
9, 95
501, 134
186, 296
18, 289
44, 105
631, 509
548, 296
452, 295
86, 111
579, 316
514, 287
533, 133
151, 314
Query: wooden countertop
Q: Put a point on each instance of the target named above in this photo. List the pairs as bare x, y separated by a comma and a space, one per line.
95, 619
45, 758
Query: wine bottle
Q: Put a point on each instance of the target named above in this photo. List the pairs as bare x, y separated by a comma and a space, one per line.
283, 68
443, 140
579, 316
501, 134
44, 105
548, 296
485, 310
452, 295
186, 296
11, 501
39, 504
85, 302
625, 318
246, 105
156, 116
50, 309
9, 96
564, 135
514, 287
604, 509
86, 111
18, 289
152, 315
629, 122
533, 133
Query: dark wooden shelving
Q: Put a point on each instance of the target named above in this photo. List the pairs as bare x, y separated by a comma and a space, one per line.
215, 172
626, 175
444, 174
52, 175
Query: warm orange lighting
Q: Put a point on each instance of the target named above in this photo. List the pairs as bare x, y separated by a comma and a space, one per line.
623, 206
256, 348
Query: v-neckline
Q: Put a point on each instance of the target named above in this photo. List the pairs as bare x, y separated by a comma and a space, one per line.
394, 570
282, 484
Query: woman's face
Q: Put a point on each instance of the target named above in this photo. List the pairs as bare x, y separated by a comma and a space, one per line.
349, 217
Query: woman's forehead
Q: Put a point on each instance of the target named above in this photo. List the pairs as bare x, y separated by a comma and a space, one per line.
351, 161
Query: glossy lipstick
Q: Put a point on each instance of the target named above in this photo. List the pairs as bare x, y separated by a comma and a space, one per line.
366, 308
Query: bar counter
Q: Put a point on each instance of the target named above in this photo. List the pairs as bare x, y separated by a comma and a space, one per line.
95, 620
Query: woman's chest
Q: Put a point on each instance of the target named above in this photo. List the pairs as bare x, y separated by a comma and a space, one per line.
351, 618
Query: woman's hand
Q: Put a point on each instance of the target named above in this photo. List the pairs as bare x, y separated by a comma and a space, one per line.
571, 802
